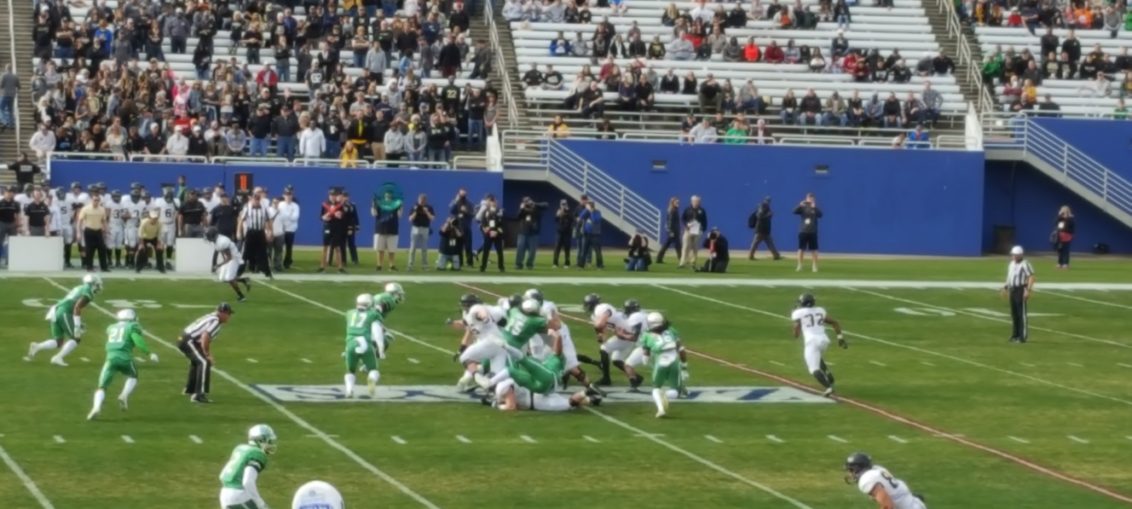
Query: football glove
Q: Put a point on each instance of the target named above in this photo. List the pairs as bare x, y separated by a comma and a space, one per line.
152, 357
841, 341
79, 331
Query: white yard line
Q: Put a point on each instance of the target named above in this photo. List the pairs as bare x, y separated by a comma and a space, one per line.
252, 361
837, 439
84, 359
412, 360
1077, 439
897, 439
985, 317
598, 280
292, 416
1075, 364
608, 418
713, 439
1083, 299
775, 439
28, 483
705, 462
1028, 364
528, 439
306, 361
1019, 440
925, 351
926, 363
196, 439
127, 439
398, 440
463, 439
591, 440
878, 363
776, 363
1124, 365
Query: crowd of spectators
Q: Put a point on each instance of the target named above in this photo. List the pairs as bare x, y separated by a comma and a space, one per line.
342, 80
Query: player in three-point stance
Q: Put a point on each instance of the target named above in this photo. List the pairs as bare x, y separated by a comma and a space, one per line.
230, 268
875, 481
248, 460
363, 333
66, 320
121, 338
810, 321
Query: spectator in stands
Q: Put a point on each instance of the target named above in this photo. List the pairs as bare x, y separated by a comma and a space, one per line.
1072, 46
284, 128
810, 110
710, 95
42, 142
1121, 111
792, 54
839, 46
788, 110
1048, 108
512, 10
841, 14
312, 142
774, 54
817, 62
1125, 88
532, 78
177, 145
656, 49
893, 114
9, 89
703, 133
942, 65
913, 109
761, 134
349, 156
918, 138
680, 48
1100, 86
835, 110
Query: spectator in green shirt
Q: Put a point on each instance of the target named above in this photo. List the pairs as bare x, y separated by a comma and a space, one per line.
1121, 111
736, 135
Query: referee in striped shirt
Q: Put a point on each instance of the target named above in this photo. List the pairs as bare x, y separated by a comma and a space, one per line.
196, 344
1019, 286
255, 227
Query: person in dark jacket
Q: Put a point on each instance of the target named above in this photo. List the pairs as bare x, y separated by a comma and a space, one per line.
449, 58
530, 219
1063, 232
491, 222
672, 229
451, 244
718, 255
808, 230
590, 219
695, 221
284, 128
350, 213
760, 222
563, 232
639, 258
464, 211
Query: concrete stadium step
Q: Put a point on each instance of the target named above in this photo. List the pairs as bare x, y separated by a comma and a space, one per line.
950, 47
10, 146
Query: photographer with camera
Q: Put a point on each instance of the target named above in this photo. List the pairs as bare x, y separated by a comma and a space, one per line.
420, 218
639, 257
451, 244
491, 223
808, 230
563, 231
464, 211
530, 222
718, 254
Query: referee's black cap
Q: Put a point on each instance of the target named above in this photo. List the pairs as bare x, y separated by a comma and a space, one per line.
224, 307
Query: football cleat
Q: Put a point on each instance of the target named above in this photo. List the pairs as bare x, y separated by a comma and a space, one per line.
33, 349
372, 388
58, 362
92, 415
123, 405
828, 392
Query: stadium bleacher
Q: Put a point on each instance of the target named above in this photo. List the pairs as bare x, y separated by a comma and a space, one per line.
416, 100
903, 27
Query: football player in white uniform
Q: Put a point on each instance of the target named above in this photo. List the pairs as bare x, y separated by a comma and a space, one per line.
133, 203
119, 213
510, 396
810, 321
317, 495
875, 481
615, 349
570, 359
76, 200
167, 206
482, 341
230, 268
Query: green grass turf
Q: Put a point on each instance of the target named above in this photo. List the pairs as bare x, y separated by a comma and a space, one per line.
954, 373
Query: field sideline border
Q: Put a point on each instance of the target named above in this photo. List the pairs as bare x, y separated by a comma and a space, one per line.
612, 420
590, 280
299, 421
876, 410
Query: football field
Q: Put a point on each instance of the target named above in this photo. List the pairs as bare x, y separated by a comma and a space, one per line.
929, 387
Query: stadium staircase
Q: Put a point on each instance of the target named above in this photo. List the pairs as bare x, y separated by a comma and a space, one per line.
954, 39
1022, 139
22, 13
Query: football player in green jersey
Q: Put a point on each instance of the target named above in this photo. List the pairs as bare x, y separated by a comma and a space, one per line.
238, 479
384, 303
662, 343
532, 384
66, 320
523, 324
122, 337
363, 330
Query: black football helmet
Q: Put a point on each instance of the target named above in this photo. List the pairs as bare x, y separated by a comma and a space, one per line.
116, 195
632, 306
855, 465
468, 300
210, 234
515, 301
77, 185
60, 194
590, 302
807, 300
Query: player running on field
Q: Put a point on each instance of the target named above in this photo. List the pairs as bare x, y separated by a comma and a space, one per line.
662, 343
482, 342
384, 303
810, 321
363, 330
122, 337
238, 479
875, 481
66, 320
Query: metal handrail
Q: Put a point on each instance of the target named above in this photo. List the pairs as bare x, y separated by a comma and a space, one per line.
250, 161
984, 101
167, 158
497, 48
1019, 132
607, 191
15, 70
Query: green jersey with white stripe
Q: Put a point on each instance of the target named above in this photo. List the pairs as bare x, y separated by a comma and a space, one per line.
359, 322
244, 455
121, 338
521, 328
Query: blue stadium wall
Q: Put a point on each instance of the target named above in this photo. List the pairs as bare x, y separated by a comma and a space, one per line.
874, 200
1107, 141
1023, 198
311, 185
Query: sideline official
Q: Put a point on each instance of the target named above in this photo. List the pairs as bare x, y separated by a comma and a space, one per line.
1019, 286
196, 344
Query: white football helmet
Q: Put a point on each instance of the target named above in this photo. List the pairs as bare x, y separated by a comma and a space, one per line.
364, 301
94, 280
530, 307
533, 293
654, 320
395, 290
127, 315
263, 437
317, 495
